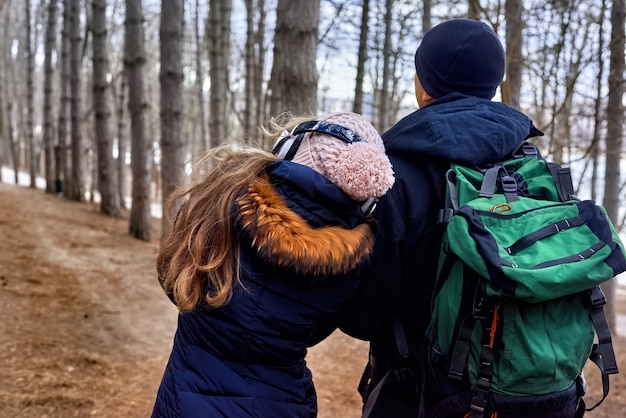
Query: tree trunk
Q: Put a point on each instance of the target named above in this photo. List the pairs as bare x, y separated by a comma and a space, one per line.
293, 83
140, 225
30, 111
3, 142
48, 126
4, 138
427, 16
64, 104
107, 182
76, 184
122, 141
249, 102
9, 88
201, 119
253, 113
219, 53
594, 151
357, 106
614, 134
473, 9
171, 78
383, 108
260, 66
514, 60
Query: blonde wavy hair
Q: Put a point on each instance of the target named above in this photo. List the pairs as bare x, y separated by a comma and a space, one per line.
202, 244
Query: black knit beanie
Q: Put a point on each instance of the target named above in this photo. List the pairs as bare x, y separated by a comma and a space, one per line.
460, 55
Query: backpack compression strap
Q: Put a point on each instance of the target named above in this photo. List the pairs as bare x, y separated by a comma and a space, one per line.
509, 185
392, 375
562, 176
563, 180
602, 353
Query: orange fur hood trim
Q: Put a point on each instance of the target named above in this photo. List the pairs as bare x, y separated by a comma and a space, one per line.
285, 239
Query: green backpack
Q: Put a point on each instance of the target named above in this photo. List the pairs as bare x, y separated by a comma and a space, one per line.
517, 304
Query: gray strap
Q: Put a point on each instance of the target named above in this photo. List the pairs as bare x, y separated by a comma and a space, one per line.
453, 195
489, 180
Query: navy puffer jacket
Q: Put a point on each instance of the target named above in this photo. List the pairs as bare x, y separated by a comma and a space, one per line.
421, 146
302, 240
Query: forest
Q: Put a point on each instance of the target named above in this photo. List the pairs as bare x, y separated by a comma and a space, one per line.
108, 102
111, 100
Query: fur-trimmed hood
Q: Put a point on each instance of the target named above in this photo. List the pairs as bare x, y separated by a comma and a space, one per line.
285, 239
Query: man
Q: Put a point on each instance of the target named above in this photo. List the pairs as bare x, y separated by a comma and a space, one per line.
459, 65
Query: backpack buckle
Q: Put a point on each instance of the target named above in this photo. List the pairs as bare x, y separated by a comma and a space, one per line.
529, 150
444, 215
509, 188
402, 375
596, 297
482, 308
509, 185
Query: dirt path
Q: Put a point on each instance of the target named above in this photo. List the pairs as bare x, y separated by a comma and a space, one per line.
86, 329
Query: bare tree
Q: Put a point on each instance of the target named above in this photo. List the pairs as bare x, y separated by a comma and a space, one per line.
200, 117
65, 166
383, 108
594, 149
357, 106
426, 15
614, 133
122, 140
218, 30
255, 51
48, 126
514, 61
259, 70
293, 83
171, 78
249, 98
473, 9
30, 123
3, 3
4, 142
76, 183
107, 182
140, 225
10, 88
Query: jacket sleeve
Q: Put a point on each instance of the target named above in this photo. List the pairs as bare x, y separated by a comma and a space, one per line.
381, 279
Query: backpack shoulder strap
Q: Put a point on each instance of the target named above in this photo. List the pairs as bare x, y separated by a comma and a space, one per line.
602, 354
562, 175
401, 374
563, 180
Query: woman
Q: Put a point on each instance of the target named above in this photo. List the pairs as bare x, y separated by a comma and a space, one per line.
263, 254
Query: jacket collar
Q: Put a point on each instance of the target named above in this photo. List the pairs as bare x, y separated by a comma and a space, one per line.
284, 239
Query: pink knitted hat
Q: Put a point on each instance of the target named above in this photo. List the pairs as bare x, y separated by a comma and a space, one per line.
361, 169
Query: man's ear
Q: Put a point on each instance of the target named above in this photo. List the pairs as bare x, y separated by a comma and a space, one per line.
422, 97
425, 98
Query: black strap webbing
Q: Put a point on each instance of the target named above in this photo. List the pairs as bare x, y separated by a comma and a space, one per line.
401, 374
602, 354
464, 326
544, 232
338, 131
480, 395
294, 147
583, 255
461, 350
563, 179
